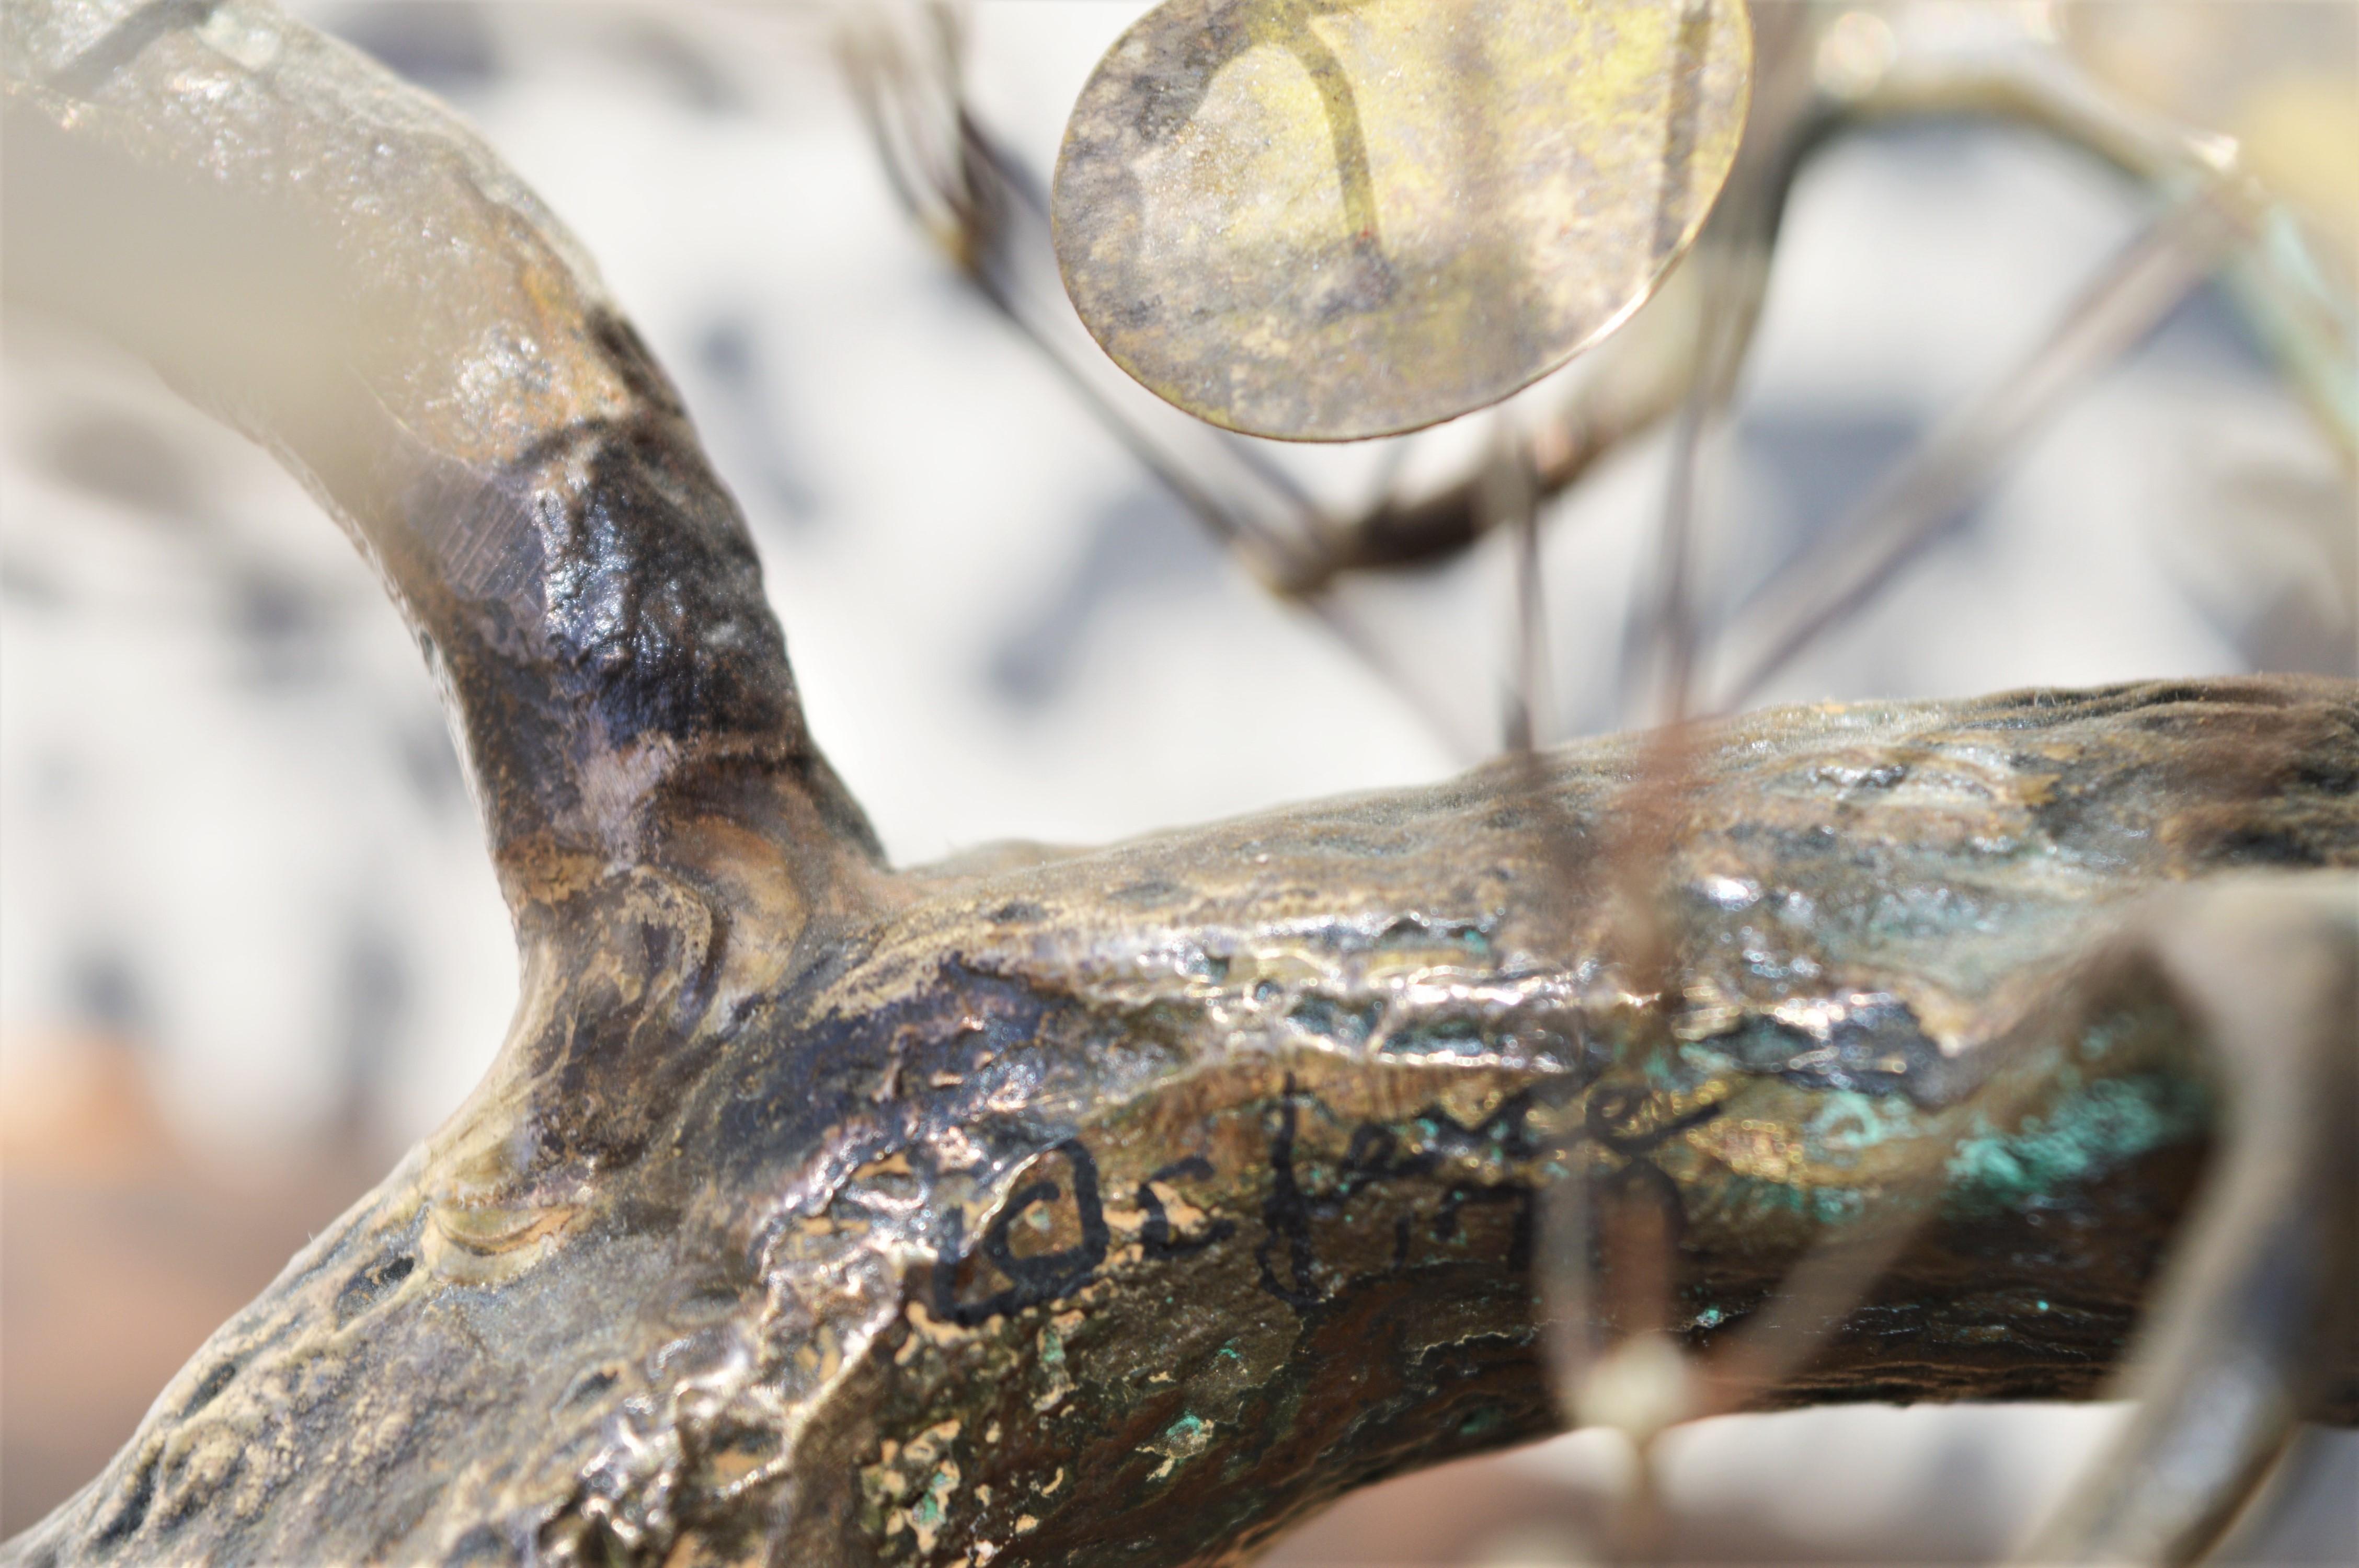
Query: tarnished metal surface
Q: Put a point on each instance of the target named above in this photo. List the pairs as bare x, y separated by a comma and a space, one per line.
1073, 1207
1319, 221
1121, 1207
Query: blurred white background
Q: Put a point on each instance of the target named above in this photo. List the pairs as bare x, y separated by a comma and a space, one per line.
249, 942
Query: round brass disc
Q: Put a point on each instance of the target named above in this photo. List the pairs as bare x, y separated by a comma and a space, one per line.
1325, 220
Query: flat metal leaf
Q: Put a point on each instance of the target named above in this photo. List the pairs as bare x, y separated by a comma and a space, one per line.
1326, 220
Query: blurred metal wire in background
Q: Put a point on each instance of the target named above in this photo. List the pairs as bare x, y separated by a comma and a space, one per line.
2091, 77
1788, 570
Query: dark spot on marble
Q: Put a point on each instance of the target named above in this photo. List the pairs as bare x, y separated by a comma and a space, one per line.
1143, 546
109, 992
447, 48
107, 454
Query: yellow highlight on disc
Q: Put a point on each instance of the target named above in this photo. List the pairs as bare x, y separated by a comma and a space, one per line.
1326, 220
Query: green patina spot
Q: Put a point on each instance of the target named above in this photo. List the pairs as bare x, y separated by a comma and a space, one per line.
2093, 1129
1753, 1196
1183, 1440
1489, 1419
1711, 1317
2098, 1042
1850, 1123
1762, 1198
1833, 1205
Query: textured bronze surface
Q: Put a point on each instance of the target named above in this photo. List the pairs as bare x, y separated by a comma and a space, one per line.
1120, 1206
1071, 1207
1321, 220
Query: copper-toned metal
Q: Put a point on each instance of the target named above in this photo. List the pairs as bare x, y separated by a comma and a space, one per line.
1321, 220
1069, 1209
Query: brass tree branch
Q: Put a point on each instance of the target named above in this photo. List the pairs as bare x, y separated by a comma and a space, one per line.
334, 263
1115, 1206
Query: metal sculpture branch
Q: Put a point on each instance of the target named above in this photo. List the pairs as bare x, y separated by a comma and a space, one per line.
1123, 1206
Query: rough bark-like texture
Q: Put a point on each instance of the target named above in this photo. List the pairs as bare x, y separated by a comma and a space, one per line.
1118, 1207
1081, 1208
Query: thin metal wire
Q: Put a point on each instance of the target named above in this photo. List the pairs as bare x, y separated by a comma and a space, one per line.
1294, 547
992, 219
1929, 494
1511, 500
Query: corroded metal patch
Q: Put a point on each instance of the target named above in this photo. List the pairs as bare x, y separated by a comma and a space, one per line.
1324, 219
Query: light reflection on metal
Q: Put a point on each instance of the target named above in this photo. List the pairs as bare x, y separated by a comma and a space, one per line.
1048, 1208
1322, 220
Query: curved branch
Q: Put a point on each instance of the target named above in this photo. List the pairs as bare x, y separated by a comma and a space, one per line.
1122, 1206
1132, 1203
332, 262
2256, 1308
